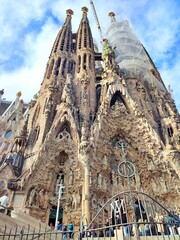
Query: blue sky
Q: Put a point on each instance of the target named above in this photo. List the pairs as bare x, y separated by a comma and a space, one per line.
29, 27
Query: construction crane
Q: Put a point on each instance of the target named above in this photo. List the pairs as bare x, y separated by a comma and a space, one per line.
96, 18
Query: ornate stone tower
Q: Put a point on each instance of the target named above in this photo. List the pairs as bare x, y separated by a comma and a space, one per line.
80, 113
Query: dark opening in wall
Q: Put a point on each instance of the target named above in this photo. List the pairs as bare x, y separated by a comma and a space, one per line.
80, 38
98, 95
117, 98
56, 71
85, 37
68, 41
170, 131
50, 69
63, 68
90, 39
90, 62
63, 39
84, 62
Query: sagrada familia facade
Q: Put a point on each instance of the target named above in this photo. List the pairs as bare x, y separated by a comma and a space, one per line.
87, 102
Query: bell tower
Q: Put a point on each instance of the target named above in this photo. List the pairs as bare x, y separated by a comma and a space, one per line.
60, 63
85, 74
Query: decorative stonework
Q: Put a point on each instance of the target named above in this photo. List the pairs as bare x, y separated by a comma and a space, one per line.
74, 137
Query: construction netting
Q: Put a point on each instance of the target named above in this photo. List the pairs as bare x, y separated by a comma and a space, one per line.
130, 54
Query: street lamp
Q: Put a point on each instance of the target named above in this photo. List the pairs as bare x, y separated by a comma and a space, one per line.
61, 187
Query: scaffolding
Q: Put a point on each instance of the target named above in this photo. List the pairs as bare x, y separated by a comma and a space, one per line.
130, 54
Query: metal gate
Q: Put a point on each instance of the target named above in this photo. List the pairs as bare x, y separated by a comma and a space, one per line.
133, 215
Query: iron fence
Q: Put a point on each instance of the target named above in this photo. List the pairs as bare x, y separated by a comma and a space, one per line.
126, 215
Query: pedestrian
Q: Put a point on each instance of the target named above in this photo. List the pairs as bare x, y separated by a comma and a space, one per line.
59, 226
65, 232
141, 227
70, 229
170, 223
4, 200
107, 228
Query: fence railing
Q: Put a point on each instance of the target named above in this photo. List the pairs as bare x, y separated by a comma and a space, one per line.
127, 215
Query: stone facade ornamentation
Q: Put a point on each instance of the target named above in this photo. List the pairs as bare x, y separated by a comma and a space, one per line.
86, 113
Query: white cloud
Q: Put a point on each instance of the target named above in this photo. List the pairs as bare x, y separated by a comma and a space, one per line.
28, 78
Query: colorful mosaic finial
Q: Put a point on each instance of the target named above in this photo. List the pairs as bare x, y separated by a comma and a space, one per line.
69, 12
112, 16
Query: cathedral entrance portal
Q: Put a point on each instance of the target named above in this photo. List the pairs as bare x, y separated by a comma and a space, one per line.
131, 213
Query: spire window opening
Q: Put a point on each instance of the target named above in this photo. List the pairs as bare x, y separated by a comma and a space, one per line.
56, 46
50, 69
67, 46
90, 62
90, 39
85, 39
85, 42
170, 131
62, 45
80, 38
79, 64
68, 41
63, 40
63, 68
98, 96
58, 62
84, 62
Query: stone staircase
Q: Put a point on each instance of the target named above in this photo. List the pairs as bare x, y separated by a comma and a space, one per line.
20, 221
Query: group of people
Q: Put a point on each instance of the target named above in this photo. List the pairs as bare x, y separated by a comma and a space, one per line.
159, 225
153, 226
148, 226
68, 230
105, 231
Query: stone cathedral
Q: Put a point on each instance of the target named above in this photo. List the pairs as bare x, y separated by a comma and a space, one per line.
88, 101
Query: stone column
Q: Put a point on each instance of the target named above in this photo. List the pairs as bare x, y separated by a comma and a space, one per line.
87, 192
84, 157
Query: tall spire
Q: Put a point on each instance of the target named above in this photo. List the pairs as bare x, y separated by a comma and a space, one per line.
85, 46
63, 39
57, 64
84, 39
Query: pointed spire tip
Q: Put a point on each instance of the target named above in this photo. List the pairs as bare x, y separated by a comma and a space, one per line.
69, 12
84, 9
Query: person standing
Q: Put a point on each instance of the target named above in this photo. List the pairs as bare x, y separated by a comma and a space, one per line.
4, 200
70, 229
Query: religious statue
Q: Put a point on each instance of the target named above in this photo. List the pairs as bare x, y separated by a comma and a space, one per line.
33, 198
58, 182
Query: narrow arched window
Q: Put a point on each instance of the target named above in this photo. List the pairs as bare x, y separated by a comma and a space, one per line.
50, 69
63, 40
68, 41
64, 68
84, 62
89, 61
85, 37
56, 71
80, 38
79, 64
170, 131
